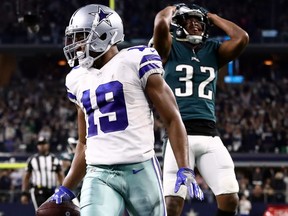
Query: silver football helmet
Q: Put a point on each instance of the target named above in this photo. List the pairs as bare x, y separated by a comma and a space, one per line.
93, 28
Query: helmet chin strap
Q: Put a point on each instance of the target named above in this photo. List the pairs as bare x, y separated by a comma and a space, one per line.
85, 62
88, 61
185, 36
194, 39
71, 62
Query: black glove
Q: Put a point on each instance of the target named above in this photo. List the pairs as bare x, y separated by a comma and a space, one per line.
202, 9
179, 5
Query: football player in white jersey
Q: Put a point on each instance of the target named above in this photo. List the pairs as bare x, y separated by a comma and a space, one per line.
114, 92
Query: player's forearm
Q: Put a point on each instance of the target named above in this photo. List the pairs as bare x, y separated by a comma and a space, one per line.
78, 168
231, 29
72, 179
165, 16
179, 143
60, 176
163, 20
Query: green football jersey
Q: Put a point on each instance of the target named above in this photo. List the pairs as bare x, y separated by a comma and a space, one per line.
192, 76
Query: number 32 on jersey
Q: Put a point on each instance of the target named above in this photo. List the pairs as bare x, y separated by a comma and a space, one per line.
189, 71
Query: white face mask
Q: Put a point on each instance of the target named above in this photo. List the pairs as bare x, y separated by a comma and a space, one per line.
183, 35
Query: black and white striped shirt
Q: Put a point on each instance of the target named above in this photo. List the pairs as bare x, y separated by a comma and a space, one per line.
44, 169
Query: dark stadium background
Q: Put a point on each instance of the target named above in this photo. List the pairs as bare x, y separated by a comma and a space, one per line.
252, 113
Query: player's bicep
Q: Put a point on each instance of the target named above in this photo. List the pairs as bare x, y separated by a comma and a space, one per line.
162, 98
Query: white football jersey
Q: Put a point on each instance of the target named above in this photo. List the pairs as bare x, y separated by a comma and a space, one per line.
119, 120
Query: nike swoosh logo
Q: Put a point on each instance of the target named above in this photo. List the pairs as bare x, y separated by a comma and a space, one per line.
137, 171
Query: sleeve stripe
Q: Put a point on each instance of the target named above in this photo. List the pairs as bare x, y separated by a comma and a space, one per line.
151, 57
149, 62
71, 96
147, 68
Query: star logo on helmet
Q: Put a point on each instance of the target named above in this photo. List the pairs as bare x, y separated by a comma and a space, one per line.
102, 16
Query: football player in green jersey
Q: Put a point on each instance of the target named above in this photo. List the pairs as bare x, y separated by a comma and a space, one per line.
192, 62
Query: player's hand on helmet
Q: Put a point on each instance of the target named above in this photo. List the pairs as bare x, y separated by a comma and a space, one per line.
180, 10
186, 176
62, 194
202, 9
179, 5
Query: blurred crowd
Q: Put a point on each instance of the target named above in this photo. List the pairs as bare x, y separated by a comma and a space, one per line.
252, 117
260, 18
265, 185
36, 107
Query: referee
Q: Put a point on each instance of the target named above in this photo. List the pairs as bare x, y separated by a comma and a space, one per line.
43, 174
